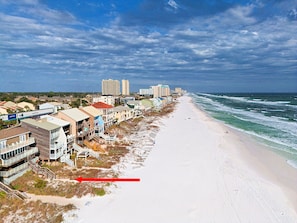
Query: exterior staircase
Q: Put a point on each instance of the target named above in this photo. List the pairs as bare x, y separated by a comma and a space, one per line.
66, 159
42, 170
85, 152
12, 192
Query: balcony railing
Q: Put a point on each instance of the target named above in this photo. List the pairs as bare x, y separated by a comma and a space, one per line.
17, 145
57, 155
70, 139
15, 170
15, 159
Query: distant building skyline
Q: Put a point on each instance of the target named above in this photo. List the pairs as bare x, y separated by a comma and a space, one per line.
110, 87
160, 90
125, 87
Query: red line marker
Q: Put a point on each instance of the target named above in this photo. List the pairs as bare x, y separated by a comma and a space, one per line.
80, 179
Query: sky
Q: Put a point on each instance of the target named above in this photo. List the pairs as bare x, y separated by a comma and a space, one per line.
198, 45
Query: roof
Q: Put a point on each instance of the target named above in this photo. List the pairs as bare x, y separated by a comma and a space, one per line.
75, 114
12, 132
133, 102
91, 111
40, 124
102, 105
3, 111
10, 104
121, 108
147, 103
24, 104
56, 121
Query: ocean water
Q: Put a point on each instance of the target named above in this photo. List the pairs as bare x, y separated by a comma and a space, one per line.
271, 118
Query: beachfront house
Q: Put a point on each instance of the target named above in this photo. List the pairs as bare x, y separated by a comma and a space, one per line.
96, 120
147, 104
80, 124
107, 113
66, 128
122, 113
157, 103
50, 138
17, 146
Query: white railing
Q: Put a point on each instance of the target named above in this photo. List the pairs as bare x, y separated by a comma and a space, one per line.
10, 191
18, 157
70, 139
15, 170
85, 150
56, 155
17, 145
66, 159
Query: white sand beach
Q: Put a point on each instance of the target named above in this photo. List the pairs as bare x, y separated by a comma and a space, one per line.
199, 171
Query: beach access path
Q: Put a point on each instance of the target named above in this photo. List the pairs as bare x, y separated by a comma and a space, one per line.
195, 172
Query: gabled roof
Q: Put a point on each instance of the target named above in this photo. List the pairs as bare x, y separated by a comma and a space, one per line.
24, 104
3, 111
41, 124
12, 132
102, 105
91, 111
75, 114
10, 104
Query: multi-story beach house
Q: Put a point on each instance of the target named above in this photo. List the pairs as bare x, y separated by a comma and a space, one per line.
80, 124
50, 138
107, 113
96, 119
17, 147
122, 113
66, 128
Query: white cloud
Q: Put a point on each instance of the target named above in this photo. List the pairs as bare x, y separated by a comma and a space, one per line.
173, 4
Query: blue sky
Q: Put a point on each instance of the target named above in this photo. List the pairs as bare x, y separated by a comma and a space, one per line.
199, 45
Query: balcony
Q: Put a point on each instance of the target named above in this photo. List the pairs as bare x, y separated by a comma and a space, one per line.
70, 139
58, 154
17, 158
17, 145
15, 170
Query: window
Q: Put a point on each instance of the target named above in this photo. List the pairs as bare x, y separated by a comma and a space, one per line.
22, 138
2, 144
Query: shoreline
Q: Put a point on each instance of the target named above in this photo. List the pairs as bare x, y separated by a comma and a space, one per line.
198, 170
262, 159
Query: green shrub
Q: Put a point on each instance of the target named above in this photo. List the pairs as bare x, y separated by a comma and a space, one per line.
40, 184
99, 191
2, 194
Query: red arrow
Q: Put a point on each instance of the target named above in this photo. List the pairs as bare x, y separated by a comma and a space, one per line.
80, 179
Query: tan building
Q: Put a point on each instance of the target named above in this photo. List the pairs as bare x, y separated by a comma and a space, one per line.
110, 87
161, 90
80, 124
125, 87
